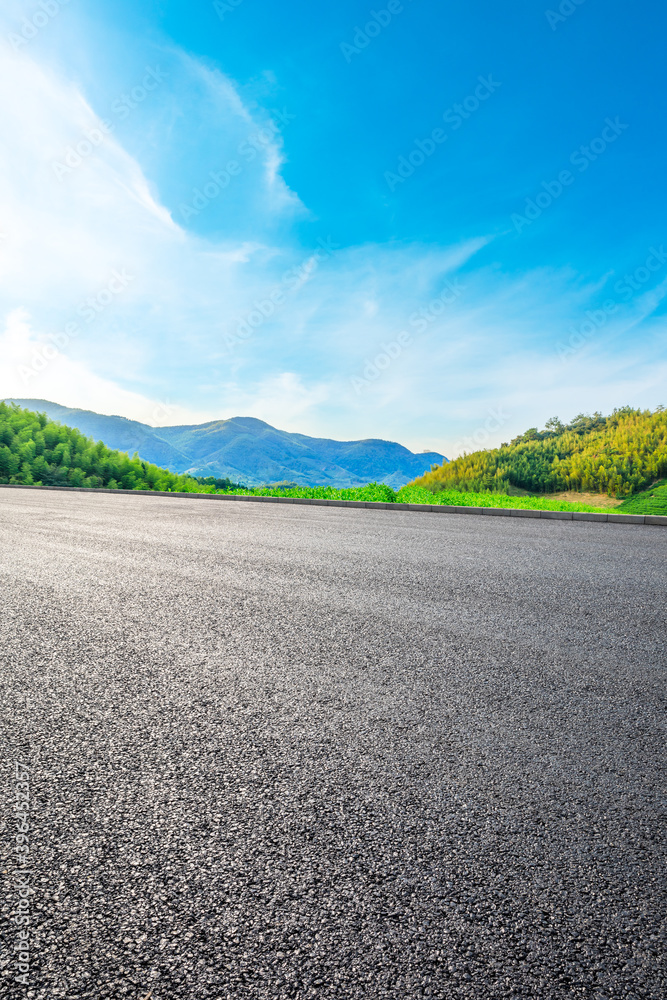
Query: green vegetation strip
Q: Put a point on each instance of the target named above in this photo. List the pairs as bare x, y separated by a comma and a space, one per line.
379, 493
651, 501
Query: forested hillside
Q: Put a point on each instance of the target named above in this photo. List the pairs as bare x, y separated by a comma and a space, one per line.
619, 455
247, 450
36, 450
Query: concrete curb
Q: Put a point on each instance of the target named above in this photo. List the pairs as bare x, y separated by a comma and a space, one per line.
559, 515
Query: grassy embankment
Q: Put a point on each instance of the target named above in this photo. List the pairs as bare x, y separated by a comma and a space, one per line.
378, 492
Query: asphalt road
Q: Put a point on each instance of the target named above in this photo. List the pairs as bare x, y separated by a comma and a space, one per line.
280, 751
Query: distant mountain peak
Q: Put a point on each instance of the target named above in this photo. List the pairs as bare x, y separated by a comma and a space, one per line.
248, 450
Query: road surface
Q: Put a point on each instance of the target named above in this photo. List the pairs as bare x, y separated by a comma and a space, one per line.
280, 751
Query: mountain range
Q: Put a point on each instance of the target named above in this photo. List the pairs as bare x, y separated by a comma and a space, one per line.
248, 450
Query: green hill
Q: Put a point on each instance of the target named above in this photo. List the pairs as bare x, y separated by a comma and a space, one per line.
39, 451
650, 501
619, 455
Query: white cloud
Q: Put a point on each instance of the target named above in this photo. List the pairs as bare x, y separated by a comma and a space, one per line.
283, 394
58, 378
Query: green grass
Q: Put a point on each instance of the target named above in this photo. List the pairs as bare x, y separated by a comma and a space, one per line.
650, 501
378, 492
416, 494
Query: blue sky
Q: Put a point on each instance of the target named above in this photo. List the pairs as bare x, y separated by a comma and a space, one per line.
435, 223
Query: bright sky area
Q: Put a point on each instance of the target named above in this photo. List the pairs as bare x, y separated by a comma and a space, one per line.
432, 223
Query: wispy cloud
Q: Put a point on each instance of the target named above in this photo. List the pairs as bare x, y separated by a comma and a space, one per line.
163, 336
65, 380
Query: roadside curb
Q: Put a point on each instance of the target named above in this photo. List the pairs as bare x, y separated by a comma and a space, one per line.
553, 515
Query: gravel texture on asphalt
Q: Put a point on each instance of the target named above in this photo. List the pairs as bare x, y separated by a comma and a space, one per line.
282, 751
